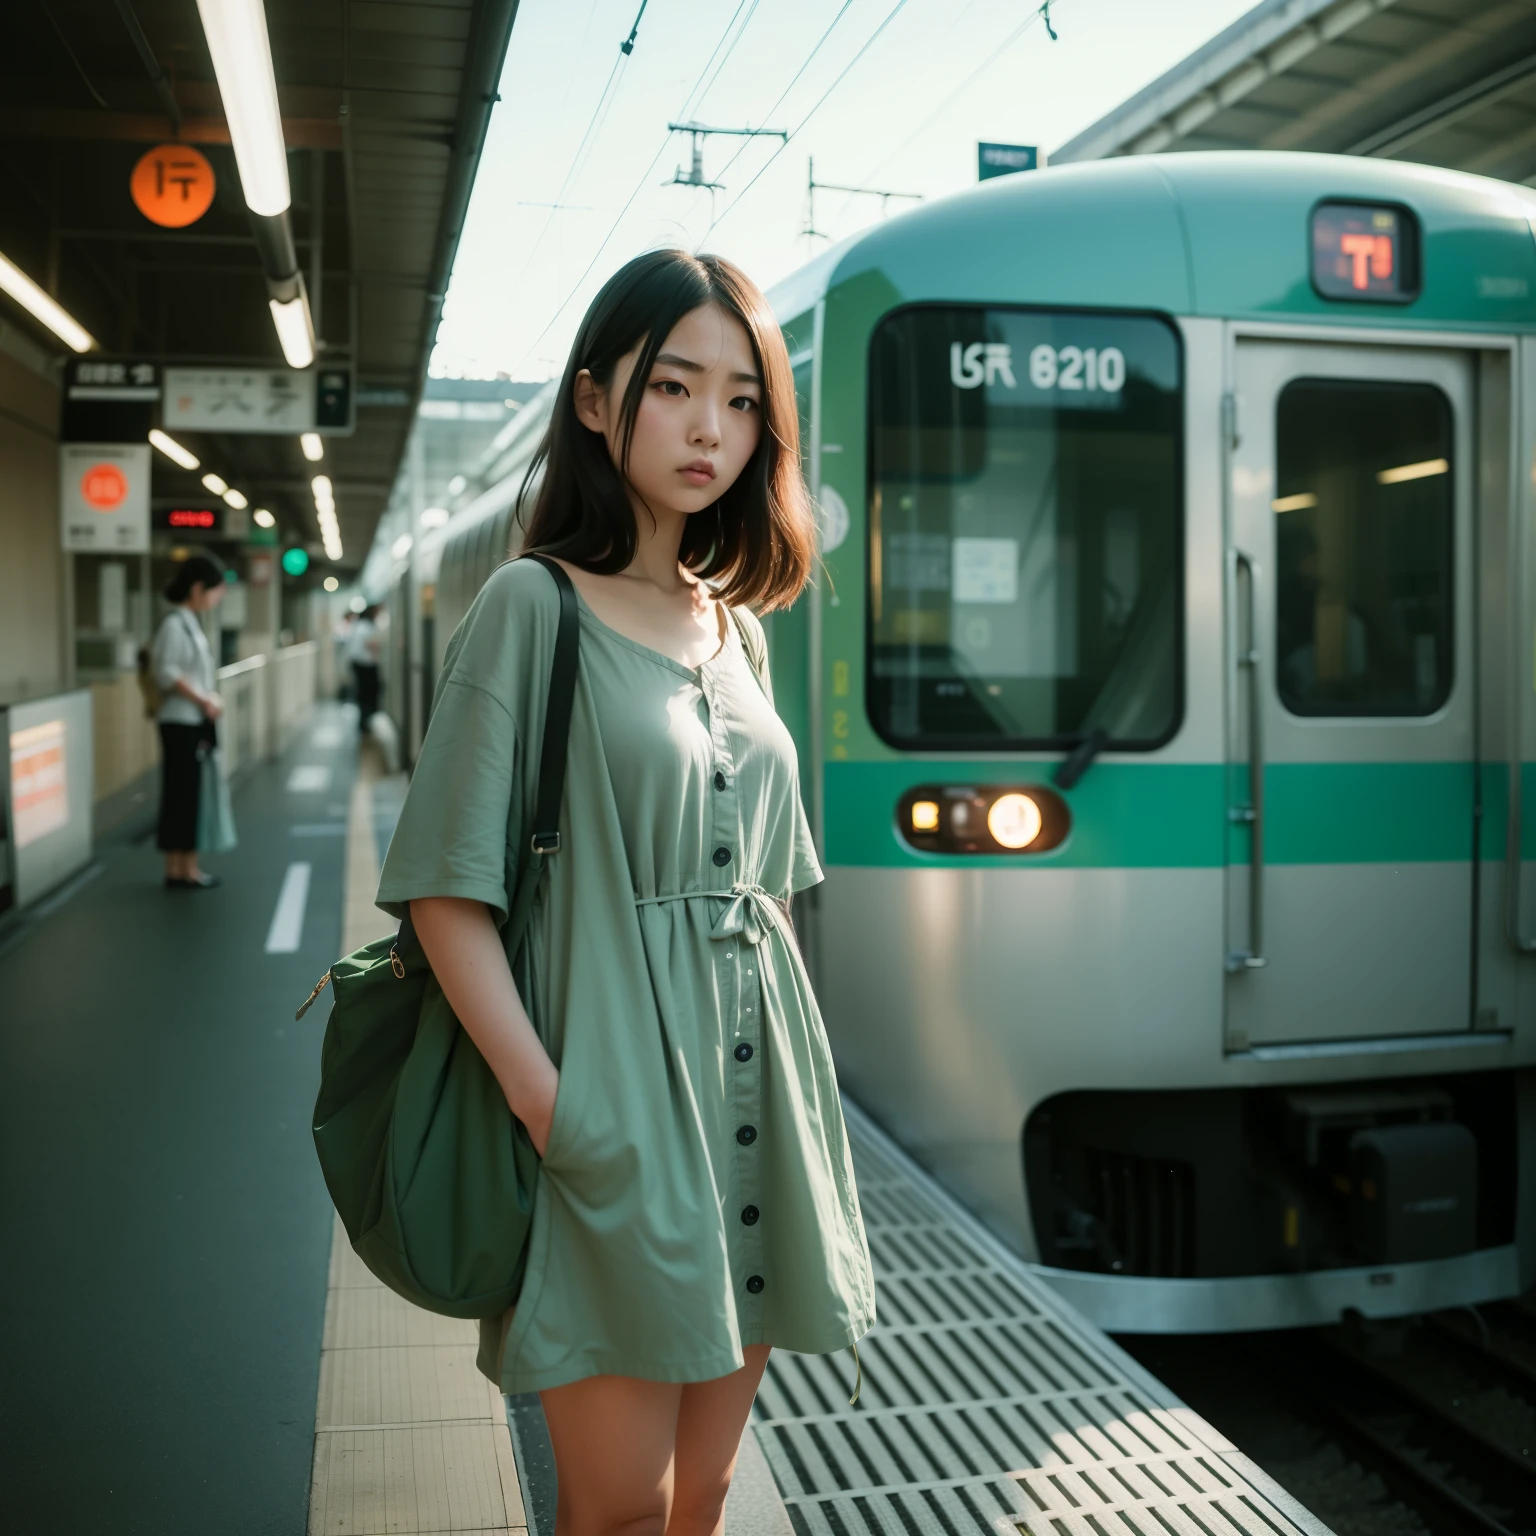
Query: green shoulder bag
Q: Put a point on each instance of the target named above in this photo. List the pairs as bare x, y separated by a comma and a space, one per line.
431, 1175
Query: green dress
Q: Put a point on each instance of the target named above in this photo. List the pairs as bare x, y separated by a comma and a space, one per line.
697, 1191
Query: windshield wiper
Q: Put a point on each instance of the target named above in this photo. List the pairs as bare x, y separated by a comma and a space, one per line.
1077, 762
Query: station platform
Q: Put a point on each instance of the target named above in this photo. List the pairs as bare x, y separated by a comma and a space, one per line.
190, 1344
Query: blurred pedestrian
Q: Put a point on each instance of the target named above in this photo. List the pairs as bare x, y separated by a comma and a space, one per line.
183, 670
363, 646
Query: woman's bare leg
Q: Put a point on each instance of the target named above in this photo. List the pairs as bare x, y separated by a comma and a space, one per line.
710, 1420
613, 1439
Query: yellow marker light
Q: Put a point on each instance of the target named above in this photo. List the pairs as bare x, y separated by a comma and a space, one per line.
1013, 820
1298, 503
925, 815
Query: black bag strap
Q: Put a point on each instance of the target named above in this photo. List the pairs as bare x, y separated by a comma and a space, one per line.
557, 716
545, 838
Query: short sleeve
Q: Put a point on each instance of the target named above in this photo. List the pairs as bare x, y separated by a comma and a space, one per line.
806, 868
170, 656
459, 832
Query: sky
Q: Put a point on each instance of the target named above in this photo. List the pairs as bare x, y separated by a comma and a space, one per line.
891, 94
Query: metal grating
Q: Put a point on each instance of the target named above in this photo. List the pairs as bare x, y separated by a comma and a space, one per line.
988, 1405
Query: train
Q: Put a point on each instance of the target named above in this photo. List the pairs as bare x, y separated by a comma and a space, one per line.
1164, 708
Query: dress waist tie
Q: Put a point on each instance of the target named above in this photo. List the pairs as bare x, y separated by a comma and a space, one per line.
749, 912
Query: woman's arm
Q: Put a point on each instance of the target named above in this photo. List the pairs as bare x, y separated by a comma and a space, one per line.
209, 703
466, 955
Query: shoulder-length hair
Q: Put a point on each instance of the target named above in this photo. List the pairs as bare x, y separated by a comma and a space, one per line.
758, 549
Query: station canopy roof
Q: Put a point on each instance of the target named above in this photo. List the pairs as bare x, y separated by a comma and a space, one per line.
1441, 82
384, 103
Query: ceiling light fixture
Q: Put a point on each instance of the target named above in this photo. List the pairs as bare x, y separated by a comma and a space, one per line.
401, 547
295, 333
172, 449
331, 584
263, 519
314, 449
37, 304
214, 484
242, 62
433, 517
236, 499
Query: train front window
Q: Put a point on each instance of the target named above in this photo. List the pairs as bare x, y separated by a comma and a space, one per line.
1363, 531
1025, 530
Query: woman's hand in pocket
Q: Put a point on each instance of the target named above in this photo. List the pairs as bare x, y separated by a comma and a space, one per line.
536, 1108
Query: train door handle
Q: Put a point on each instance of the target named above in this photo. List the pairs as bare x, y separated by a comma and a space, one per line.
1245, 664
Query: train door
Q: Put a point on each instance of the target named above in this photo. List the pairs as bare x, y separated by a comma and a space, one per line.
1351, 721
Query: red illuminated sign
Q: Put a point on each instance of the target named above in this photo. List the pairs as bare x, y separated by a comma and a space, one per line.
1364, 251
104, 486
188, 518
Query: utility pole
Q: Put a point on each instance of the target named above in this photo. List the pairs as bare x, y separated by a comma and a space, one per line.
812, 187
694, 176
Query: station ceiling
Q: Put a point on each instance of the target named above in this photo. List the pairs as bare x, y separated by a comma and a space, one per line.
1439, 82
385, 104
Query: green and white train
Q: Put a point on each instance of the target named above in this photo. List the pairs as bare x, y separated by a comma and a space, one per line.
1165, 711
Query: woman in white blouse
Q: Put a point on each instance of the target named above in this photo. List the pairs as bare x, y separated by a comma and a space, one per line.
183, 667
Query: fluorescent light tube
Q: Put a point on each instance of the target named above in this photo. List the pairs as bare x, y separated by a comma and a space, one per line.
171, 449
314, 449
236, 499
263, 519
242, 62
214, 484
320, 488
37, 304
295, 332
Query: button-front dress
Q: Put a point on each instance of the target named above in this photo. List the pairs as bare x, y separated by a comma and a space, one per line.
697, 1192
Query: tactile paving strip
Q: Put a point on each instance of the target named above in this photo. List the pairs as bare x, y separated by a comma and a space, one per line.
988, 1405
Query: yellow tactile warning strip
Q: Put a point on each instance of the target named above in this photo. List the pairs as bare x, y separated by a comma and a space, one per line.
410, 1439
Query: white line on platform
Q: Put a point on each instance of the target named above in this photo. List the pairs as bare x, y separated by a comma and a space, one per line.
309, 779
288, 917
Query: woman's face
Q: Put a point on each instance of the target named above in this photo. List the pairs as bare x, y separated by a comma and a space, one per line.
204, 598
700, 418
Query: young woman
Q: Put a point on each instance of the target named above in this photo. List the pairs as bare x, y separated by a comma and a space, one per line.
659, 1042
183, 668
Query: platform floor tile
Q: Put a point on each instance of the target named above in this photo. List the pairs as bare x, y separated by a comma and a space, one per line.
988, 1405
410, 1439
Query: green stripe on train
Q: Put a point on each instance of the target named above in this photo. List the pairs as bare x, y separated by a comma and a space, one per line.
1174, 815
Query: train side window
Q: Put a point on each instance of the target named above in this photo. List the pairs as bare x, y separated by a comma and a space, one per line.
1026, 532
1364, 531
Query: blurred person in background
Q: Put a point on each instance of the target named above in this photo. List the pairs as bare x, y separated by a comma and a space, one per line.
182, 664
363, 646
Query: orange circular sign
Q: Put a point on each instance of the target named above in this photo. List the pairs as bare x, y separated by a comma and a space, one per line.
104, 486
172, 186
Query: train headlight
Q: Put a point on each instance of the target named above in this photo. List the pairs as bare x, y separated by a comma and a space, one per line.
925, 815
1013, 820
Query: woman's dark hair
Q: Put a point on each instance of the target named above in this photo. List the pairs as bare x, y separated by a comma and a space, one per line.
195, 570
759, 547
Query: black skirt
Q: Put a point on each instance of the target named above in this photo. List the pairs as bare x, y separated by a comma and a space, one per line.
181, 767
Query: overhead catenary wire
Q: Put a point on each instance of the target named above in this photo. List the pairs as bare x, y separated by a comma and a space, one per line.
843, 74
694, 99
992, 57
594, 127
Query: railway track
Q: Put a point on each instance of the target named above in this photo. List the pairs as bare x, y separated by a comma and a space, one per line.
1426, 1428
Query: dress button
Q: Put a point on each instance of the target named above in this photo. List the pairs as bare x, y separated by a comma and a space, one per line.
743, 1052
754, 1283
722, 857
750, 1214
747, 1135
719, 779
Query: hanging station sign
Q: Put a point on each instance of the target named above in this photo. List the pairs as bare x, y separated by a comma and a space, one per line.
104, 497
173, 185
279, 401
